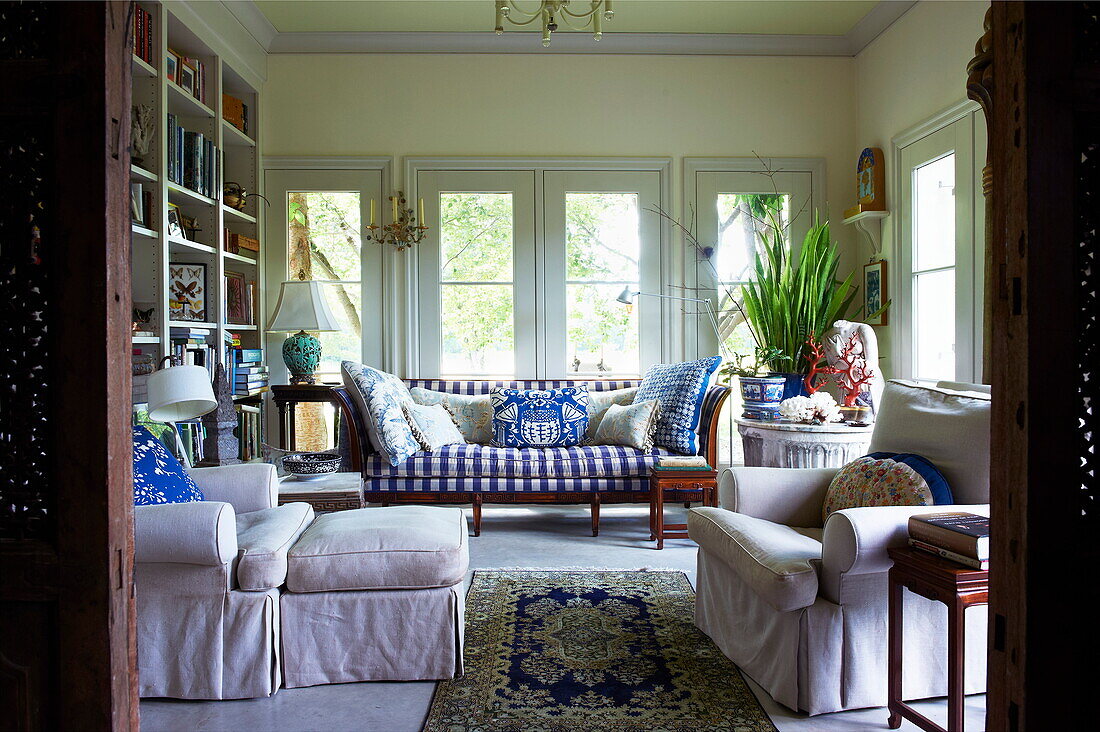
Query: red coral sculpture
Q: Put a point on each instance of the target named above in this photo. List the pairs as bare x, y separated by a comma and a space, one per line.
854, 373
818, 365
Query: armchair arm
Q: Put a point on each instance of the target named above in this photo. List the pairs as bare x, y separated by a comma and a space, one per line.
856, 539
789, 496
249, 486
201, 532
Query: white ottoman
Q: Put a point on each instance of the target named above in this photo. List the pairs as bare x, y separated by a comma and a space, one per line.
375, 594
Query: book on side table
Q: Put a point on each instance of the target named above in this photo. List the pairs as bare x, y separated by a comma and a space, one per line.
956, 535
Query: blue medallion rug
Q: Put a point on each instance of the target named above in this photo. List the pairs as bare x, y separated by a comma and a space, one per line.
550, 650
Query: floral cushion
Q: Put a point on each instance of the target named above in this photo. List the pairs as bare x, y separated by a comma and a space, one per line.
433, 426
539, 417
158, 475
680, 389
473, 413
360, 380
631, 425
386, 419
598, 402
886, 479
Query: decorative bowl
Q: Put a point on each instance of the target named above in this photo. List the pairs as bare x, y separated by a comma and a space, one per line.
311, 465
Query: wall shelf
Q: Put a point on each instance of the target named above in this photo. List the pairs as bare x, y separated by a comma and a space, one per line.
239, 258
175, 243
183, 104
142, 68
140, 232
869, 224
239, 215
232, 137
139, 173
177, 193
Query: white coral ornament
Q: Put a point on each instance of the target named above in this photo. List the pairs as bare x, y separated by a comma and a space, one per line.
817, 409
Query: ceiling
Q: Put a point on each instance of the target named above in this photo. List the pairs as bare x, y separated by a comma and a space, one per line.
776, 17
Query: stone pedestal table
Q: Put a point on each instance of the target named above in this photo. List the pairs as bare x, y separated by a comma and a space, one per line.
773, 444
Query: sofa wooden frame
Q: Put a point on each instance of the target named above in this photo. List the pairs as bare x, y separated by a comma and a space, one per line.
359, 446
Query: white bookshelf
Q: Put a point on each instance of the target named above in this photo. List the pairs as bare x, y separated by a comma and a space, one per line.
152, 247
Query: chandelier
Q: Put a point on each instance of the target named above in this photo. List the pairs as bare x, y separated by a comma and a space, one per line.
552, 11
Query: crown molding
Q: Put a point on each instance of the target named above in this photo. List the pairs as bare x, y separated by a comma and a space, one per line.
681, 44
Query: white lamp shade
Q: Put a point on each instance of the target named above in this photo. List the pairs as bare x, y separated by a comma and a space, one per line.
302, 306
626, 297
179, 393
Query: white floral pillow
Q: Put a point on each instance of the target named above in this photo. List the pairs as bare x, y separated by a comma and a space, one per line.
632, 426
473, 413
387, 420
598, 402
433, 426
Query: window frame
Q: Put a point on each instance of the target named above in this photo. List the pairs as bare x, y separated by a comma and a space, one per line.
962, 125
416, 278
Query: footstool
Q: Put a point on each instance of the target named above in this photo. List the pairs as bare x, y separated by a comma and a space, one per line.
375, 594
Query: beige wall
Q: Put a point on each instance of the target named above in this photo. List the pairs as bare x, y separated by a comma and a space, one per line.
909, 73
530, 105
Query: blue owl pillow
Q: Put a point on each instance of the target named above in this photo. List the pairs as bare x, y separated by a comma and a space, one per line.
539, 417
679, 389
158, 475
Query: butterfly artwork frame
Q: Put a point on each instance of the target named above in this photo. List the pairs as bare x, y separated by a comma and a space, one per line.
187, 291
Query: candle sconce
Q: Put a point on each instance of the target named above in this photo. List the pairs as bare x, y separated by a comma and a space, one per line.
403, 231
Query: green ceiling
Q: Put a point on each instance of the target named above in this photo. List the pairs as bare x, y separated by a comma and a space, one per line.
785, 17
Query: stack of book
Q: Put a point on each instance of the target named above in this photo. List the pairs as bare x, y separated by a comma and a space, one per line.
676, 462
956, 535
249, 373
189, 347
192, 160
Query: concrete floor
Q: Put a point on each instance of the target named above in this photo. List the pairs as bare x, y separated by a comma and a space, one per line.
542, 536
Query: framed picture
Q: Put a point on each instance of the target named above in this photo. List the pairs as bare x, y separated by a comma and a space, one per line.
874, 293
172, 65
238, 309
136, 204
175, 222
187, 78
187, 291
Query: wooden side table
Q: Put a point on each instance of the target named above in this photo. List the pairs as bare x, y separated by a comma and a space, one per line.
286, 396
954, 585
336, 492
699, 484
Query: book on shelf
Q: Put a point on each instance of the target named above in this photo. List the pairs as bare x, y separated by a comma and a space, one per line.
686, 462
249, 432
960, 532
248, 355
939, 551
235, 112
192, 160
143, 34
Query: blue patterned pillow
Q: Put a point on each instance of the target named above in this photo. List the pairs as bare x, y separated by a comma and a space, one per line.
679, 389
158, 475
539, 418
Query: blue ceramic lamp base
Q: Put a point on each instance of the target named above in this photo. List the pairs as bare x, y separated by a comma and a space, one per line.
302, 354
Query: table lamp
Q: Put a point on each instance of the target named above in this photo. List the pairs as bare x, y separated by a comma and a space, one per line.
301, 307
180, 393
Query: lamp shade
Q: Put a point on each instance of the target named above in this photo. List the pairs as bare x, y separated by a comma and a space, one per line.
302, 306
626, 297
179, 393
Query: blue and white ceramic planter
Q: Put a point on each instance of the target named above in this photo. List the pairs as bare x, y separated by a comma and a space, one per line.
761, 396
795, 384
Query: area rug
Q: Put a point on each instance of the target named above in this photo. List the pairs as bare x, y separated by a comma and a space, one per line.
550, 650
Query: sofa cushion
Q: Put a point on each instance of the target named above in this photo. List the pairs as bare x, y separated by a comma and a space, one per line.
400, 547
777, 561
631, 426
433, 426
680, 388
473, 413
539, 417
886, 479
158, 475
948, 428
470, 460
263, 539
598, 404
379, 396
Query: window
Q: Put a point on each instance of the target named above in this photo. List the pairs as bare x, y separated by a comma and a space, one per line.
500, 296
939, 268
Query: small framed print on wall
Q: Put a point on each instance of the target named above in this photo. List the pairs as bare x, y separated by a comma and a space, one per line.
874, 293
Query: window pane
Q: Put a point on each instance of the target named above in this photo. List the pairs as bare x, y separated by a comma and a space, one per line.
345, 299
741, 219
325, 237
934, 214
476, 330
602, 239
602, 333
476, 237
934, 327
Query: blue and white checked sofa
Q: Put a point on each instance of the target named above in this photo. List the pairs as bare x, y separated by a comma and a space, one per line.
478, 474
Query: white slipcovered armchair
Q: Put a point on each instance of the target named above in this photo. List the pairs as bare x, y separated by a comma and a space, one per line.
207, 576
802, 607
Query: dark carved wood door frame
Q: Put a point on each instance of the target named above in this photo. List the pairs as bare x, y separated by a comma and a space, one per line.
67, 641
